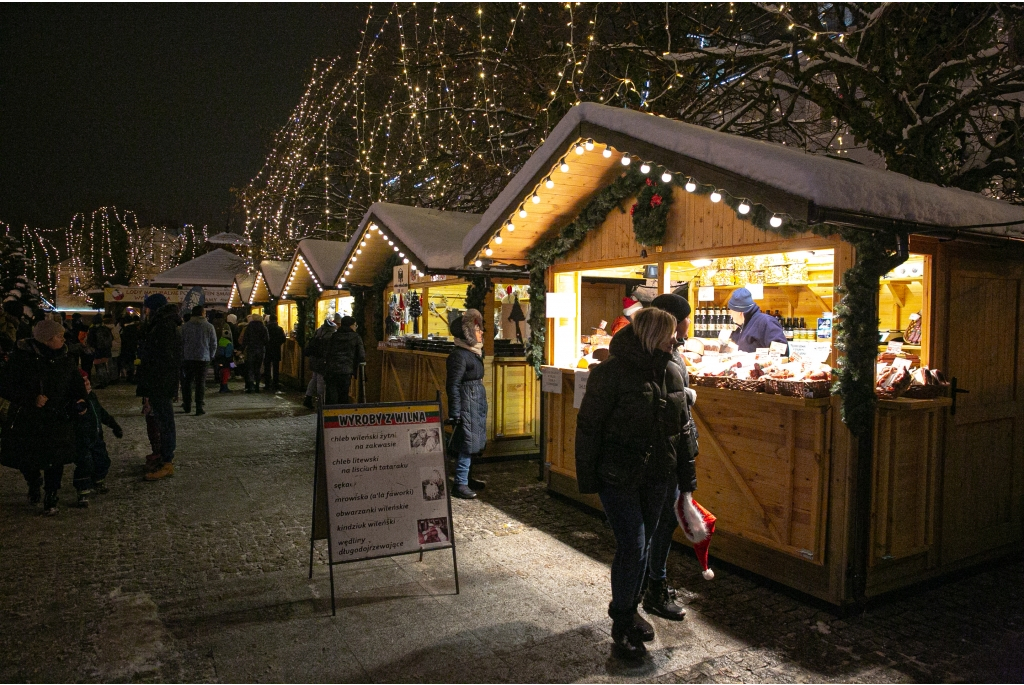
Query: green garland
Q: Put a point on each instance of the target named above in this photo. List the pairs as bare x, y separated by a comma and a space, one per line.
856, 329
476, 294
376, 293
306, 314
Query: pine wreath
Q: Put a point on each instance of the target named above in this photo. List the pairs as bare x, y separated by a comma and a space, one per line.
650, 212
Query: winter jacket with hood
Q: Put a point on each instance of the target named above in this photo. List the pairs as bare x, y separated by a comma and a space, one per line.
160, 354
623, 437
344, 352
39, 437
467, 401
275, 338
255, 337
758, 330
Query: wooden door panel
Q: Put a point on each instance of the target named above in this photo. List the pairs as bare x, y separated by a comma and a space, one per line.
982, 469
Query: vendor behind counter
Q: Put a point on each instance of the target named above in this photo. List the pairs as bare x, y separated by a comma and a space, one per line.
756, 329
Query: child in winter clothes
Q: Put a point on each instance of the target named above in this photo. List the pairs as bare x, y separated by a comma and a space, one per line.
91, 461
222, 360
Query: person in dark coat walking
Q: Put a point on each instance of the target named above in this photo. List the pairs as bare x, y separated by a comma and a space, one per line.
467, 401
272, 362
158, 375
129, 346
92, 461
315, 351
756, 329
42, 383
344, 354
254, 339
627, 437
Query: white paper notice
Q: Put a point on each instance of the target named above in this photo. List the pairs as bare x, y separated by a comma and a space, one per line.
756, 290
706, 293
551, 379
386, 487
810, 350
579, 388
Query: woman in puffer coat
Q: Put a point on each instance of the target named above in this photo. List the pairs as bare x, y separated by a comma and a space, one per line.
467, 401
42, 383
628, 432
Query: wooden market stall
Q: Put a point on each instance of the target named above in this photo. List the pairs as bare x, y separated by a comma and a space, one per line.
931, 484
410, 359
241, 289
314, 268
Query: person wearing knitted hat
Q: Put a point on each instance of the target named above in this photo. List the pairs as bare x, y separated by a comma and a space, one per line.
630, 307
158, 375
42, 383
756, 329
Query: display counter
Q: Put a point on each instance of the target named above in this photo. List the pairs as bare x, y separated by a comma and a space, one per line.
513, 395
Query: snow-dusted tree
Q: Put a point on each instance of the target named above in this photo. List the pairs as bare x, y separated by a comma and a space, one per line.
15, 284
442, 103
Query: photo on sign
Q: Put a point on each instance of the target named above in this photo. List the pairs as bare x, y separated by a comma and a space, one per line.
433, 484
425, 440
433, 531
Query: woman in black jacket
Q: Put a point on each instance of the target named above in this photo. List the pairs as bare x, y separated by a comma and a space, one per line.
627, 437
467, 401
344, 353
42, 383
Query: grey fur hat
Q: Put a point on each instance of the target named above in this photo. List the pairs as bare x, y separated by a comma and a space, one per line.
463, 326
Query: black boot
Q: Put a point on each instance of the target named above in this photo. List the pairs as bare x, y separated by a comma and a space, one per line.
308, 402
50, 504
645, 629
477, 484
629, 645
35, 495
660, 600
463, 492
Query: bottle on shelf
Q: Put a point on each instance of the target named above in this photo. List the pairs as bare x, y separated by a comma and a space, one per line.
698, 323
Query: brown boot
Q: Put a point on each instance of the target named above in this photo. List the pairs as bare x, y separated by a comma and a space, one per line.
166, 469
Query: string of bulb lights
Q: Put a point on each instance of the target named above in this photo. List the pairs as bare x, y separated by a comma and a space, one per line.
580, 148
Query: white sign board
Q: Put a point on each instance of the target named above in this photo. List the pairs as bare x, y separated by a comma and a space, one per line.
386, 486
756, 290
579, 388
401, 277
810, 350
551, 379
706, 293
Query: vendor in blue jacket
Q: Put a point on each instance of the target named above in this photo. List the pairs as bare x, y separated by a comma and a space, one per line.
756, 329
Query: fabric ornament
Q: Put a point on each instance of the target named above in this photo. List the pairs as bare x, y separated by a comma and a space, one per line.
698, 526
630, 306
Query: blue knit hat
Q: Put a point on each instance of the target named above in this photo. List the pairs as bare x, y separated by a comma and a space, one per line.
154, 302
741, 301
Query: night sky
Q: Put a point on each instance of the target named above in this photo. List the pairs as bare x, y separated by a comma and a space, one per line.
161, 109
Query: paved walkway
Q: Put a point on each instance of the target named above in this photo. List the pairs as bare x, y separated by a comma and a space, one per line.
202, 577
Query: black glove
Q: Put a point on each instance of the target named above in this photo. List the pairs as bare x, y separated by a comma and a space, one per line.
118, 433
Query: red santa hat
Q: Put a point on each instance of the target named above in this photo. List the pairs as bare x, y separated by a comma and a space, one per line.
698, 526
630, 306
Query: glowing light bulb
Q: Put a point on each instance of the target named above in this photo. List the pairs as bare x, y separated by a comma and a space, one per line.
666, 177
522, 212
579, 149
396, 250
690, 186
775, 221
510, 226
498, 239
744, 208
359, 252
607, 151
563, 167
478, 263
535, 198
589, 144
644, 168
488, 252
405, 261
401, 254
548, 183
625, 159
716, 196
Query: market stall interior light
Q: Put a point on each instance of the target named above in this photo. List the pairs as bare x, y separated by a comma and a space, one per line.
690, 185
775, 221
535, 198
701, 263
607, 151
644, 168
498, 239
589, 144
510, 227
488, 252
580, 149
478, 263
666, 177
715, 196
563, 166
548, 183
744, 208
522, 212
626, 159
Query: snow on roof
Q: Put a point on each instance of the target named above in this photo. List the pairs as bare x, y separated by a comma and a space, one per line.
215, 268
434, 236
274, 275
828, 183
244, 283
227, 238
324, 257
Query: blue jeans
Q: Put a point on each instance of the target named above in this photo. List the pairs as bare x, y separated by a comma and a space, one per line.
633, 515
163, 413
462, 463
661, 543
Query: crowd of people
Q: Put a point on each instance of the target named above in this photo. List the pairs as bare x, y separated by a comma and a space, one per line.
52, 418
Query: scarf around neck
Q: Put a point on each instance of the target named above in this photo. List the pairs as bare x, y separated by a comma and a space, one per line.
477, 349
